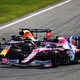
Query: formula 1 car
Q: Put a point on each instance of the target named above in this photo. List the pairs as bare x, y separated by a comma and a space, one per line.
52, 53
25, 38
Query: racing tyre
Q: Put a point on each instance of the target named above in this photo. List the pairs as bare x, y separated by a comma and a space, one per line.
16, 54
55, 58
26, 48
1, 49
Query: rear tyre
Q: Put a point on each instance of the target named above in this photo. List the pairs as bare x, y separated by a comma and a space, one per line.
26, 49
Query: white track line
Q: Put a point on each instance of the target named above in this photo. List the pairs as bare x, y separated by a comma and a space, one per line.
34, 14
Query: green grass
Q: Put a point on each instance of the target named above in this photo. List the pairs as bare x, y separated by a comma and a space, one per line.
11, 9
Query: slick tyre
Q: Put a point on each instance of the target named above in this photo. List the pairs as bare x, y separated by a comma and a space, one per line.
26, 47
14, 54
55, 58
1, 49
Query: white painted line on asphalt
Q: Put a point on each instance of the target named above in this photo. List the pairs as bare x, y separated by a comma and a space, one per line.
35, 14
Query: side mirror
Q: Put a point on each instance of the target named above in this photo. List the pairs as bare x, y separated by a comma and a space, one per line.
13, 37
0, 43
3, 39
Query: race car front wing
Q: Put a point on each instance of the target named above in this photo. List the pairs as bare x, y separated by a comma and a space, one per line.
46, 63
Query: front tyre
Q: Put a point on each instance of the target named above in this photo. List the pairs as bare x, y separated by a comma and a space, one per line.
16, 54
55, 58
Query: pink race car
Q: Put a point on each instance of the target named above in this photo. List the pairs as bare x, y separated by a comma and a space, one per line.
52, 53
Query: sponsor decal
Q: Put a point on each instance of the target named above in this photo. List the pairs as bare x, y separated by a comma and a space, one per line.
37, 62
71, 48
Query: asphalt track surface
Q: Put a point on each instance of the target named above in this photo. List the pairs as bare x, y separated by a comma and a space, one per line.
63, 20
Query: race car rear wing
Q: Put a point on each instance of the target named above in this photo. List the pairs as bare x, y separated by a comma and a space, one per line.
36, 30
25, 30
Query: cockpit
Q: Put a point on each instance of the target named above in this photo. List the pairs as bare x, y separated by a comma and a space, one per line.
50, 46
